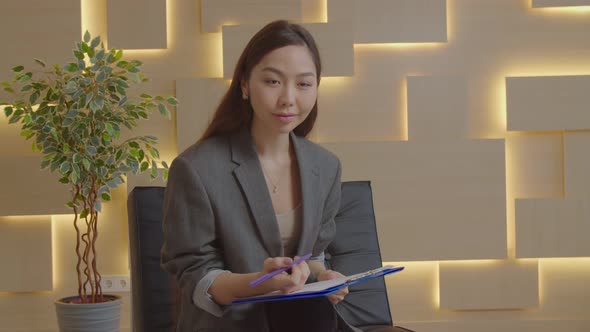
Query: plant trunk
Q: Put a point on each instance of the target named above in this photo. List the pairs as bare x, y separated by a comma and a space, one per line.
89, 289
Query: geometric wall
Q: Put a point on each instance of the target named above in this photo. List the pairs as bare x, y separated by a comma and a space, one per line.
470, 118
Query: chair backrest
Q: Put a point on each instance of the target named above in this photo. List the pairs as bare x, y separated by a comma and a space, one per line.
355, 249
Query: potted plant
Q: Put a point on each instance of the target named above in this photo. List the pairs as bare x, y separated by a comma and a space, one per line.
75, 115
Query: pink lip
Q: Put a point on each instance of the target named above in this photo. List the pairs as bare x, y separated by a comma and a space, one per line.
285, 118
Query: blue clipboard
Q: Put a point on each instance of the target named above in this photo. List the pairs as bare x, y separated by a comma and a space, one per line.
316, 289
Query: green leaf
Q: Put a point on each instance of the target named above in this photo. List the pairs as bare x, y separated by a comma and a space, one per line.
76, 158
165, 175
154, 173
41, 63
172, 101
81, 65
134, 145
91, 150
84, 213
71, 67
118, 55
79, 55
114, 182
75, 177
86, 36
106, 197
89, 98
165, 164
95, 42
72, 113
64, 168
164, 111
86, 48
27, 133
154, 152
103, 189
9, 90
133, 70
8, 111
101, 76
45, 164
135, 78
144, 166
26, 88
99, 102
99, 55
145, 95
34, 96
93, 106
25, 77
86, 164
134, 153
67, 122
18, 69
97, 206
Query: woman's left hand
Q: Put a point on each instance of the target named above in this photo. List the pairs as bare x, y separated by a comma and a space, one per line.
338, 296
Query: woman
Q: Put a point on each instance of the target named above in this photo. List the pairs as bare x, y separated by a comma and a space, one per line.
252, 193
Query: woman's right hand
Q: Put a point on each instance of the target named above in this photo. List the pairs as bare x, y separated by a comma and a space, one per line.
284, 281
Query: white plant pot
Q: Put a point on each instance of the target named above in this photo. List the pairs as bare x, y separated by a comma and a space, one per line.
88, 317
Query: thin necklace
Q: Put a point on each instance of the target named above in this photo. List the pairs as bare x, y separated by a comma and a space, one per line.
274, 184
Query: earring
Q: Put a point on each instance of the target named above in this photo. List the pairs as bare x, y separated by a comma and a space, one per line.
244, 96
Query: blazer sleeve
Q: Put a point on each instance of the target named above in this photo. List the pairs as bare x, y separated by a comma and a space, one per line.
332, 205
190, 248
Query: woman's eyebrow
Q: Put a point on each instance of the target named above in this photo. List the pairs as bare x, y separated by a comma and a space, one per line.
280, 73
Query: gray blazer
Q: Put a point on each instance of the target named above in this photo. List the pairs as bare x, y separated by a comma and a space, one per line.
218, 214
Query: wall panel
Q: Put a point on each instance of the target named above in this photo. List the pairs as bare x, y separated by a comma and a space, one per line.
489, 285
392, 21
559, 3
334, 40
548, 103
216, 13
25, 253
28, 190
137, 24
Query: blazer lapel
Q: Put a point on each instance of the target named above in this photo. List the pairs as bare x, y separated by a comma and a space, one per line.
309, 173
251, 179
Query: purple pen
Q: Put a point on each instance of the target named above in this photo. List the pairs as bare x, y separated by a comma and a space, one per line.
275, 272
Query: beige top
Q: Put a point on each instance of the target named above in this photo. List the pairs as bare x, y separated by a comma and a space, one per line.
290, 229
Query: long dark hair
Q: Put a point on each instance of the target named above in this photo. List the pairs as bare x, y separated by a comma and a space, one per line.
234, 112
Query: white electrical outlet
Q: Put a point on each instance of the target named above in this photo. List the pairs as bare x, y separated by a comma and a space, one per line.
115, 284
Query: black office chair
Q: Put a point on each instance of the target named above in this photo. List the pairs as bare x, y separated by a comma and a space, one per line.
355, 249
